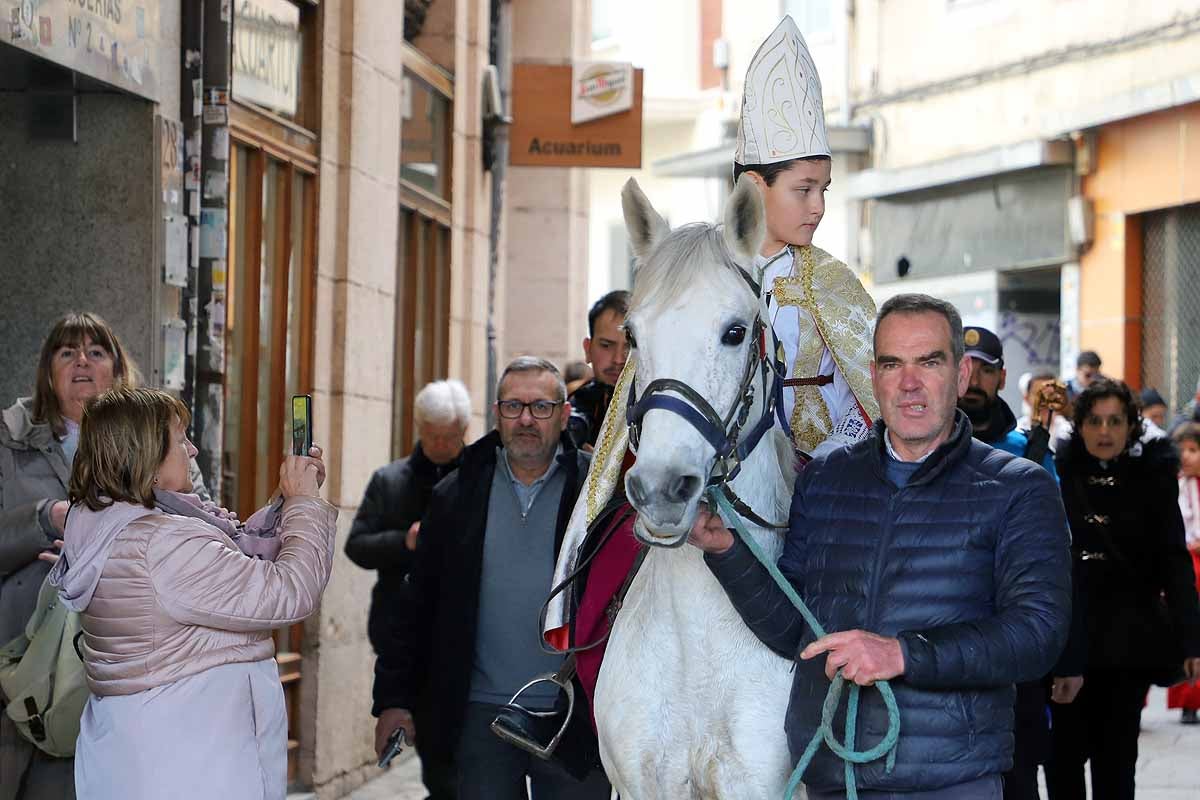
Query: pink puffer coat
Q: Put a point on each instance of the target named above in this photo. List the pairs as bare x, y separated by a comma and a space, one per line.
169, 597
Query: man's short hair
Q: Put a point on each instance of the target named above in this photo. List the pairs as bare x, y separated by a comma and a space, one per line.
442, 403
924, 304
574, 371
1088, 358
533, 364
616, 301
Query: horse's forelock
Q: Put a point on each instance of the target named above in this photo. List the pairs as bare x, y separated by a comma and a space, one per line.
673, 267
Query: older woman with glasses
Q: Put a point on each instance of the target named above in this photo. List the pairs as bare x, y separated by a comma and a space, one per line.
177, 619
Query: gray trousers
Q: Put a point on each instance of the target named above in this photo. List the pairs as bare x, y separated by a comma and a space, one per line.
491, 769
988, 788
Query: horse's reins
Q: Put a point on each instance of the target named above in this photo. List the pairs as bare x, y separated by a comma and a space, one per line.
724, 434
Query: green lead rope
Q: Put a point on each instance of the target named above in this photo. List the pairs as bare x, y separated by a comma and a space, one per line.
844, 751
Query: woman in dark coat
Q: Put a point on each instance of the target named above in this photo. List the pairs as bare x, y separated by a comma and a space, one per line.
1127, 534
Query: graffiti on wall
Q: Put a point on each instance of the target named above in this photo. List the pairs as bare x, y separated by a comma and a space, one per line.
1032, 338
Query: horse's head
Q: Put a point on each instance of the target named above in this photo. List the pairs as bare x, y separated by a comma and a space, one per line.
692, 323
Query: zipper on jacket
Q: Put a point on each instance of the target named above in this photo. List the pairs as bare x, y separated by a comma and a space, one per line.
878, 566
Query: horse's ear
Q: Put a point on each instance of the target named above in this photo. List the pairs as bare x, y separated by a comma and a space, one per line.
643, 224
745, 220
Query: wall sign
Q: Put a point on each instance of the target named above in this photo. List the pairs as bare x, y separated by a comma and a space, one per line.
266, 54
543, 134
114, 41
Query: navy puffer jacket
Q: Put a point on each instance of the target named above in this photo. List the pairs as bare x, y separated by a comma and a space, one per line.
968, 565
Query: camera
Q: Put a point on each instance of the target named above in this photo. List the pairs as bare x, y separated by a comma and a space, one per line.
579, 428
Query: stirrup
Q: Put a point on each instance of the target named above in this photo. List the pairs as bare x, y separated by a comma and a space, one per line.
536, 732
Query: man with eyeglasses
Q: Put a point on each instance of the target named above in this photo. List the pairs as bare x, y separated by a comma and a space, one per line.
469, 639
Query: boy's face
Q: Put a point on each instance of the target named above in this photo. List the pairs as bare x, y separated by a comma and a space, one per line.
795, 203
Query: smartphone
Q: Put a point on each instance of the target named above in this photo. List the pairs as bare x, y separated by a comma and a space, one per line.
395, 744
301, 424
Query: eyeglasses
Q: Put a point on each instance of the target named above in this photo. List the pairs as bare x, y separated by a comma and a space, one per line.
540, 409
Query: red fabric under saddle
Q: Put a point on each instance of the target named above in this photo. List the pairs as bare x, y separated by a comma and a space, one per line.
607, 572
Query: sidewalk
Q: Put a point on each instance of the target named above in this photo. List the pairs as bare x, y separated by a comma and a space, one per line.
1168, 762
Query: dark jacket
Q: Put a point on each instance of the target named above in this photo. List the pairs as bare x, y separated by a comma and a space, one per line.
1135, 500
591, 400
425, 665
968, 566
396, 497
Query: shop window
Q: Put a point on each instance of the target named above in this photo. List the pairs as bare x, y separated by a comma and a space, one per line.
1171, 304
270, 278
422, 334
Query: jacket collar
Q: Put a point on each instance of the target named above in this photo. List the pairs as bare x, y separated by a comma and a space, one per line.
1000, 421
948, 453
18, 430
422, 465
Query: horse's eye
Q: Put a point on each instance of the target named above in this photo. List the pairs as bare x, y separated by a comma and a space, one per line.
734, 336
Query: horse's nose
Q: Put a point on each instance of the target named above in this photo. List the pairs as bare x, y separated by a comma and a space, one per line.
682, 488
675, 490
637, 490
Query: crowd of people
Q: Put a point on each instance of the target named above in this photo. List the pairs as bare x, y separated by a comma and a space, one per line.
1021, 582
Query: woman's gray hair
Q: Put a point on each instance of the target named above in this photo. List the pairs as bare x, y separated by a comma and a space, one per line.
441, 403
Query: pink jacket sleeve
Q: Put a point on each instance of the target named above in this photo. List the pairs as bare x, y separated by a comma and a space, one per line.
201, 580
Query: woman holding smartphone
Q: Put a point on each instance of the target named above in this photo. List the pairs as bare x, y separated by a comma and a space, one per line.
177, 620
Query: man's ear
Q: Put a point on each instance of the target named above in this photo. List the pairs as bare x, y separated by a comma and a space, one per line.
587, 349
566, 414
964, 375
1003, 378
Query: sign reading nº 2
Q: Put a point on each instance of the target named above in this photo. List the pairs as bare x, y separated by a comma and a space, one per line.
542, 133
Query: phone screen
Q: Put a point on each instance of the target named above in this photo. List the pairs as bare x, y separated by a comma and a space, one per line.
301, 424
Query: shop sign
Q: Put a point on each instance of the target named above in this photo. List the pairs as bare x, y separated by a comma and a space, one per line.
546, 101
266, 54
114, 41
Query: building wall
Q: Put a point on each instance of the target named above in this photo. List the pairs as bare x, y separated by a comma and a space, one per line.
352, 398
78, 217
945, 77
1143, 164
546, 208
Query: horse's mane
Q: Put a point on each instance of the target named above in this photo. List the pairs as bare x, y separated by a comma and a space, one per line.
673, 265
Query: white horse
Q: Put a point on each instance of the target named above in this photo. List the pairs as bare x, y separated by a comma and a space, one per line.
689, 704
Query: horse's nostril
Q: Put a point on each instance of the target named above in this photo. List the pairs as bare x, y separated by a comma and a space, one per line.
637, 492
683, 487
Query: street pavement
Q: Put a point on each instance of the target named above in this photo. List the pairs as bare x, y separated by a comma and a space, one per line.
1168, 762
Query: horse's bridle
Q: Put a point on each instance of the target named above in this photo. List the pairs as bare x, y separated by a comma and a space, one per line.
725, 434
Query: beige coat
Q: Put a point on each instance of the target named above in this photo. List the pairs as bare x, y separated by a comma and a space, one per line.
169, 597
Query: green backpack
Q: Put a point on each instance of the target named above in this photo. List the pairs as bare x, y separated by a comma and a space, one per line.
42, 678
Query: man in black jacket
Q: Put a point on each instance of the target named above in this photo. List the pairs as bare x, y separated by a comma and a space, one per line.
384, 534
606, 348
469, 638
941, 564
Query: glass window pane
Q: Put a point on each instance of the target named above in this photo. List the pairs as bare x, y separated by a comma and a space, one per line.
424, 156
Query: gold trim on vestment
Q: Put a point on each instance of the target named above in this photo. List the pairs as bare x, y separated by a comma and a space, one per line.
840, 315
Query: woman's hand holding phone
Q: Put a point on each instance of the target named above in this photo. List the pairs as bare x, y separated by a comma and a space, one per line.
302, 475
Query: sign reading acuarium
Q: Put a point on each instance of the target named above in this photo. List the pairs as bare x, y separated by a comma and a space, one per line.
586, 115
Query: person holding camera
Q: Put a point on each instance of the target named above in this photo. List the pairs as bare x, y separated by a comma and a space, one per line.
177, 620
607, 350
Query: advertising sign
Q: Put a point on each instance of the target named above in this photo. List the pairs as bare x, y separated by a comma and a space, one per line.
114, 41
544, 100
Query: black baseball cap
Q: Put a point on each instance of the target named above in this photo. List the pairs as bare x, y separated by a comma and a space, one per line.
983, 344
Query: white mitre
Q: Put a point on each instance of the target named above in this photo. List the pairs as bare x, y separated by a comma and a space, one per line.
783, 114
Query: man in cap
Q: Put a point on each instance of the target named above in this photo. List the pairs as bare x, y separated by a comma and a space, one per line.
992, 421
